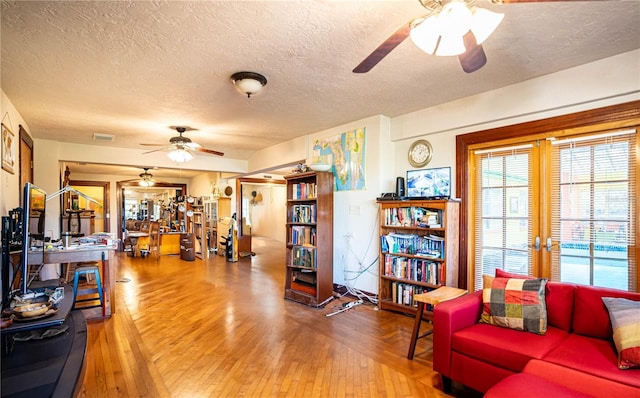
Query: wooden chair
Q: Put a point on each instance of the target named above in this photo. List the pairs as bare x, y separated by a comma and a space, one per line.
154, 239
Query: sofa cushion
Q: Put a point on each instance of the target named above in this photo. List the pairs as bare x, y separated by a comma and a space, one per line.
593, 356
528, 385
515, 303
559, 297
579, 381
590, 316
503, 347
625, 321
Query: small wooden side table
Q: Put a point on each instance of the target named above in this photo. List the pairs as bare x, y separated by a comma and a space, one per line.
433, 297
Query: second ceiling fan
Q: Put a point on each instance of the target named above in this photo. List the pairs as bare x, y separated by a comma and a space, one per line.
180, 147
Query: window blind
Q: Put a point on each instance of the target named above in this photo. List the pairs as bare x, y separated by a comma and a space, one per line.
502, 211
593, 194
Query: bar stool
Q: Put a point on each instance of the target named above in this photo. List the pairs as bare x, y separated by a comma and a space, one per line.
433, 297
87, 272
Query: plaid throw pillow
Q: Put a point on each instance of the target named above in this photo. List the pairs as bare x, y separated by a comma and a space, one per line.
625, 322
515, 303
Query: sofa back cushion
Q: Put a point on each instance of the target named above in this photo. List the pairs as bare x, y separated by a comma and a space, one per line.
559, 297
590, 315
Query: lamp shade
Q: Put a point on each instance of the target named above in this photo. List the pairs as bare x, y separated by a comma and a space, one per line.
180, 156
484, 23
442, 33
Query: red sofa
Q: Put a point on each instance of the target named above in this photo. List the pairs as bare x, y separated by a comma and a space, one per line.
577, 353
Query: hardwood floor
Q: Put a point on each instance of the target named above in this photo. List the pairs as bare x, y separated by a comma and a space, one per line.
220, 329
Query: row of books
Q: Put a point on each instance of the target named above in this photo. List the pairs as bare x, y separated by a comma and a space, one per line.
428, 246
415, 269
302, 256
303, 214
303, 235
304, 190
412, 217
402, 293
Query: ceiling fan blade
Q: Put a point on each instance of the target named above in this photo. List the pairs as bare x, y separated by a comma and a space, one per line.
155, 150
474, 58
209, 151
153, 144
383, 49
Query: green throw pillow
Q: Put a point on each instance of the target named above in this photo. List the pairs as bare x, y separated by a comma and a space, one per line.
515, 303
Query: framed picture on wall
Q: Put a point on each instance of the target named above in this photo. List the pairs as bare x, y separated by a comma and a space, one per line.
8, 154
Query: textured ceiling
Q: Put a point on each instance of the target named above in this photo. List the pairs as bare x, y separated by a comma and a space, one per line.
131, 69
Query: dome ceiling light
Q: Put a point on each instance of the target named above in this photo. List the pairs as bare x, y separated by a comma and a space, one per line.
248, 82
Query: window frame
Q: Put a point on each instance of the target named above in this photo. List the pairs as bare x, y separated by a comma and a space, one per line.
615, 116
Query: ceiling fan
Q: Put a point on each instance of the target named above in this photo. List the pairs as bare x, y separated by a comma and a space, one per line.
181, 147
451, 27
146, 178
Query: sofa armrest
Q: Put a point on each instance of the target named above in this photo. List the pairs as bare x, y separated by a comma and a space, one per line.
448, 317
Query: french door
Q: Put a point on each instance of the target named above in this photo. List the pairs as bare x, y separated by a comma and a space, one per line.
560, 205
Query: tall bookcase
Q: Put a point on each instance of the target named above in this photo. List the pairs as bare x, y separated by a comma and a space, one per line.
418, 250
309, 248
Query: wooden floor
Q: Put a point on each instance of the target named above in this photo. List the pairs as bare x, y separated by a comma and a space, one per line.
220, 329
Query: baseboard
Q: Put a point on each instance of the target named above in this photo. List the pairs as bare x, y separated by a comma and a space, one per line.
341, 290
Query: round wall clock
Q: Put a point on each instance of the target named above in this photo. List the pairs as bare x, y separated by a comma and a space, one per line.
420, 153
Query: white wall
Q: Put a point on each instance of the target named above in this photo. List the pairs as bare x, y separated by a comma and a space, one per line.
9, 190
268, 216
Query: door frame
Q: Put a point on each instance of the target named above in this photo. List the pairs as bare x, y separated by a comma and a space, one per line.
621, 113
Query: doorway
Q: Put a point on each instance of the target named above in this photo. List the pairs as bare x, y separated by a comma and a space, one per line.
260, 204
553, 199
145, 203
81, 216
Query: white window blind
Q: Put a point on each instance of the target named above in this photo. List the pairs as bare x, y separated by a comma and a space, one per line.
502, 211
593, 194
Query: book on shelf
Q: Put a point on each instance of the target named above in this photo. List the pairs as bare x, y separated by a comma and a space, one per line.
304, 190
425, 246
303, 235
305, 277
403, 293
413, 269
302, 256
303, 214
412, 217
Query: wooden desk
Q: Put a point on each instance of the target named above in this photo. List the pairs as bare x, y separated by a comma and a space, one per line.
88, 253
64, 306
170, 243
433, 297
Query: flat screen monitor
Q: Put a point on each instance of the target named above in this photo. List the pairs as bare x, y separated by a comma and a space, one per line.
429, 183
34, 203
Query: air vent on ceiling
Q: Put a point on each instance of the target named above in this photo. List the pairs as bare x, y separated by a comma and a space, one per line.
103, 137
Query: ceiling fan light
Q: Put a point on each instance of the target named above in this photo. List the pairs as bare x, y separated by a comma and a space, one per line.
434, 35
425, 34
455, 19
248, 82
180, 156
484, 23
146, 183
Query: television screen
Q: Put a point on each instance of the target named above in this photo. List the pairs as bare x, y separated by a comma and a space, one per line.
34, 203
429, 183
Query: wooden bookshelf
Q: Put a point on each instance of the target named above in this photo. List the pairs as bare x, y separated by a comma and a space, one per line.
418, 250
309, 248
